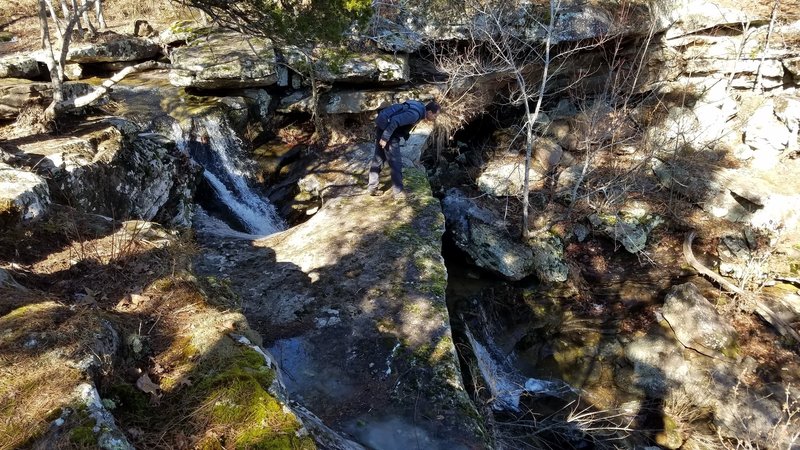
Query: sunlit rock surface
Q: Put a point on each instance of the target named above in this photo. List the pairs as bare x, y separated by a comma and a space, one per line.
352, 304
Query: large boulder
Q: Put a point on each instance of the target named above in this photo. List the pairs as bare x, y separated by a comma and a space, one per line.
107, 47
111, 169
792, 66
224, 59
24, 195
767, 135
696, 323
112, 49
19, 66
356, 101
506, 176
480, 234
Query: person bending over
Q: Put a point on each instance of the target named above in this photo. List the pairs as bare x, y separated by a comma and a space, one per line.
393, 123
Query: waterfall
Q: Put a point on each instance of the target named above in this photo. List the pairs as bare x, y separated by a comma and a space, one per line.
217, 148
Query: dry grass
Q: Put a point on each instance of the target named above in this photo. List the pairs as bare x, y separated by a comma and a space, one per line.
39, 349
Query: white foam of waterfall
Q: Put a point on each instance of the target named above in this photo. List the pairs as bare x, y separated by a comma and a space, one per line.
227, 171
505, 382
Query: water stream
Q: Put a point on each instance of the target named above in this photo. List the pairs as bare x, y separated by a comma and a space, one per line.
228, 170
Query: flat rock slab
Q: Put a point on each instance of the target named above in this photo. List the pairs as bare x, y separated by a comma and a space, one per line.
224, 60
352, 306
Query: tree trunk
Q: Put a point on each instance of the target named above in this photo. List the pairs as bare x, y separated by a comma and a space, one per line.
85, 16
56, 66
53, 14
101, 20
772, 19
56, 75
77, 15
531, 118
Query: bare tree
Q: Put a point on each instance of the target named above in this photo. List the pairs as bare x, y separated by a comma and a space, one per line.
56, 60
502, 45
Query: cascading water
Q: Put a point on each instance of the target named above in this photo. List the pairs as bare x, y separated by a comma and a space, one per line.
215, 146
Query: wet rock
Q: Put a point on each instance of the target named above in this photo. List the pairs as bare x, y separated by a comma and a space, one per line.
19, 66
505, 176
110, 169
629, 227
224, 59
696, 322
24, 196
480, 234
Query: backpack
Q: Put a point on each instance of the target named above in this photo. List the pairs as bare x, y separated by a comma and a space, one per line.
382, 121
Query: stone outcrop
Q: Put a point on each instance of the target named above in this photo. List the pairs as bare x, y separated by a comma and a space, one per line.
338, 65
224, 59
24, 196
111, 169
14, 94
481, 235
19, 66
113, 48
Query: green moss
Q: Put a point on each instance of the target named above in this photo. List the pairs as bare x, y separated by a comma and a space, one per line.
82, 435
128, 398
240, 403
432, 274
335, 59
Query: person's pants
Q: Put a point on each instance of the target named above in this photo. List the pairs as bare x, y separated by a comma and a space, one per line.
392, 154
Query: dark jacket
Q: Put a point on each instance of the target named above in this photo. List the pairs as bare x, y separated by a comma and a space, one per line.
400, 117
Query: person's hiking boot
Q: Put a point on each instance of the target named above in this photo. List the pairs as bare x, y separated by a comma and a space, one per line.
399, 195
373, 191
